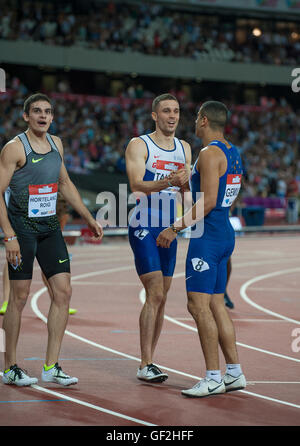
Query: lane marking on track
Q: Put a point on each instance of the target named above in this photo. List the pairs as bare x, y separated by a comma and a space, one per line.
38, 313
91, 406
234, 319
189, 327
81, 276
246, 298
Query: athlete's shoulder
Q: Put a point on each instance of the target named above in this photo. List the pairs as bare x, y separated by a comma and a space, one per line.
12, 147
210, 150
210, 155
57, 140
136, 144
187, 150
185, 143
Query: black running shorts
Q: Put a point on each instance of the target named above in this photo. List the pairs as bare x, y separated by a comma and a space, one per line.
49, 249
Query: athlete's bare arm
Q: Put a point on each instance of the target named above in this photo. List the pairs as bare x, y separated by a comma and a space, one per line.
136, 156
188, 161
12, 157
72, 196
211, 165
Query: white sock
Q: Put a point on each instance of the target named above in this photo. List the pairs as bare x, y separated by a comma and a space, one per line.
214, 374
234, 369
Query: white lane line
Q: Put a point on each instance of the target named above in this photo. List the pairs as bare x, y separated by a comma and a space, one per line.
36, 310
277, 289
76, 282
246, 298
189, 327
273, 382
142, 299
42, 317
91, 406
233, 319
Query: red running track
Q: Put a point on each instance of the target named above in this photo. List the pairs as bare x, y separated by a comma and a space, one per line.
101, 345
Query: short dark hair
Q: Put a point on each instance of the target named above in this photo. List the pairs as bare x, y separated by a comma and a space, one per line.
216, 113
34, 98
162, 97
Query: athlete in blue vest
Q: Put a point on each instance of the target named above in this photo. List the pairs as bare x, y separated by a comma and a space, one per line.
158, 166
217, 174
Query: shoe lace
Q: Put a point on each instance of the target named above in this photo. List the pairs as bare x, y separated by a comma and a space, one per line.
153, 368
60, 373
57, 367
17, 371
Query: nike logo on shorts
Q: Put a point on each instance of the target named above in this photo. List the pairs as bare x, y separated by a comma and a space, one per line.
62, 261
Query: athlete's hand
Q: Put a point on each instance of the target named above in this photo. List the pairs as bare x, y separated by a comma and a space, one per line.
13, 253
179, 178
165, 238
96, 228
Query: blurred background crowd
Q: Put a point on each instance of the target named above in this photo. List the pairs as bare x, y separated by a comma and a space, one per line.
152, 28
96, 131
264, 119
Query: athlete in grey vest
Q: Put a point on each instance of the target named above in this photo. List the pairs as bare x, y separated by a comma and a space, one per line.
32, 166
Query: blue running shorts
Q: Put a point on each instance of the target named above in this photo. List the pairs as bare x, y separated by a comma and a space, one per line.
147, 256
206, 265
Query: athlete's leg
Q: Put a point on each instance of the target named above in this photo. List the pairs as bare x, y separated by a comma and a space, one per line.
5, 288
53, 258
12, 318
60, 285
199, 308
161, 311
226, 329
151, 316
227, 300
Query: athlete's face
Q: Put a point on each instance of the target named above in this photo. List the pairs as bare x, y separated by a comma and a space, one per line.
40, 116
166, 116
200, 124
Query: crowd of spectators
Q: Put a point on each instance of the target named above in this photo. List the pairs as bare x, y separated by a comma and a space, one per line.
149, 28
96, 130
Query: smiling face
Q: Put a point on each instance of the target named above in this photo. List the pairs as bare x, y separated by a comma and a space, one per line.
166, 116
40, 116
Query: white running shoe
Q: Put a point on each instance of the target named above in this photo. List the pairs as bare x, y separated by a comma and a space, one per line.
205, 387
151, 373
17, 376
56, 375
234, 382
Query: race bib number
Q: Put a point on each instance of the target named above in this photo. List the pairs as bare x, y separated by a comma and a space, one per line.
42, 200
141, 233
232, 189
164, 168
200, 265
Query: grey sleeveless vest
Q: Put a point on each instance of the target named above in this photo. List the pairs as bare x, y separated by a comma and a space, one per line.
33, 188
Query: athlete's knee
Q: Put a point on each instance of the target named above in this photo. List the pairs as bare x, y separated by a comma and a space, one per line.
19, 297
62, 295
156, 297
197, 305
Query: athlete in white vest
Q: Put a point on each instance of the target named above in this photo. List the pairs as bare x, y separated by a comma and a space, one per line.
158, 166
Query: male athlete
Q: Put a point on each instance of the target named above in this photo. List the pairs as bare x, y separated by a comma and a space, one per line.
217, 173
32, 166
158, 166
